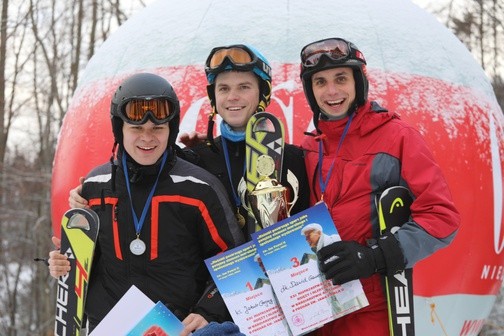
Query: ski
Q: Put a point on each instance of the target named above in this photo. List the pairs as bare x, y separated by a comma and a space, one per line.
264, 137
79, 231
393, 211
264, 145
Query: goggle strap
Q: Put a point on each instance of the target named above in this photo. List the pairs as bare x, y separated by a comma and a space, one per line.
210, 139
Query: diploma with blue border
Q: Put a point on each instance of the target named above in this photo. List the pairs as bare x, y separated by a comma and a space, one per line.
247, 291
288, 251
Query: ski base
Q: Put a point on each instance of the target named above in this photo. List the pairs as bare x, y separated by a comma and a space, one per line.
79, 231
393, 211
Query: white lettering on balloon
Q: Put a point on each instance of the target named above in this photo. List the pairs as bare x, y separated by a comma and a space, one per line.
497, 186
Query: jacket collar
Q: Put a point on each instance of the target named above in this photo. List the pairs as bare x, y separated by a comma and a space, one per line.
366, 119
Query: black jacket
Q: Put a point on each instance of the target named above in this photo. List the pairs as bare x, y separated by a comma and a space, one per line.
189, 220
214, 162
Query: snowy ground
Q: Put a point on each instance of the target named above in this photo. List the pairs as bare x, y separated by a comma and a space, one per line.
495, 323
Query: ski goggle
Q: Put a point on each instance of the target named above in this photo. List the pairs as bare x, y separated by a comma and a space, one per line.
238, 57
137, 111
335, 49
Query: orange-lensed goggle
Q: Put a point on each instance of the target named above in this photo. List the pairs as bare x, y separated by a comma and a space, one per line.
137, 111
238, 56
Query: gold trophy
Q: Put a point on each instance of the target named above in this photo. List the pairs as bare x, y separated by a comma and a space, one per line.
262, 194
268, 201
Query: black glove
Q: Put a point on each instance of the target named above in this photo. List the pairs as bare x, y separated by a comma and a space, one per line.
344, 261
211, 305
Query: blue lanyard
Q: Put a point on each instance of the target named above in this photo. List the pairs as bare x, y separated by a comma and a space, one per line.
228, 167
323, 183
139, 222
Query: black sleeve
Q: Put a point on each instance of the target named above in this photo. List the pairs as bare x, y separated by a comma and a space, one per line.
188, 154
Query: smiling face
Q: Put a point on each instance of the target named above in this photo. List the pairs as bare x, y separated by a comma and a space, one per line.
236, 97
334, 90
145, 143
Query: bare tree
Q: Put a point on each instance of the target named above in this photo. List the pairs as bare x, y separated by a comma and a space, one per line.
3, 52
24, 283
41, 49
480, 25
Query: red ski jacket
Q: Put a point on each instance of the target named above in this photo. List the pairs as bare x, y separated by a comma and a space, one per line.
378, 151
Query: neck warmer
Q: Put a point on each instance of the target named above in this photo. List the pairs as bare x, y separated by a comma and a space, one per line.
229, 134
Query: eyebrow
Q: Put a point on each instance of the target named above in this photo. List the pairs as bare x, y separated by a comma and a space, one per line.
240, 83
337, 74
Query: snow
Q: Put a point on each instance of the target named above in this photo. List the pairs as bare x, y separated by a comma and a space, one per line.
153, 39
397, 47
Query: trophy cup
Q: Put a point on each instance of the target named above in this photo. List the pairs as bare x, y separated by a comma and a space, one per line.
268, 200
262, 193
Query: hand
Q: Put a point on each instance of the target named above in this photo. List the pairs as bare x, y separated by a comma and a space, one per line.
57, 242
75, 200
344, 261
58, 263
192, 138
193, 322
223, 329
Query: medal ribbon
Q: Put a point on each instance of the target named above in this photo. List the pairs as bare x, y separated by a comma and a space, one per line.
323, 183
228, 167
140, 221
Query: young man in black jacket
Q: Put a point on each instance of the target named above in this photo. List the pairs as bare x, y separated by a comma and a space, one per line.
239, 85
160, 216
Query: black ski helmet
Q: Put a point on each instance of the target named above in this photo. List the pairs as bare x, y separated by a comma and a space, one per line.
325, 57
144, 86
257, 63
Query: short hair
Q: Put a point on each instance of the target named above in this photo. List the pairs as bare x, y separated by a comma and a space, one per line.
257, 257
311, 226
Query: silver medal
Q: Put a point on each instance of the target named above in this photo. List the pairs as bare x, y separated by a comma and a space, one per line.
137, 247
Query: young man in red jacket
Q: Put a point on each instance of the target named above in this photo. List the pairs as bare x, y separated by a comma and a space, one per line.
358, 150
